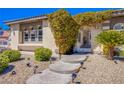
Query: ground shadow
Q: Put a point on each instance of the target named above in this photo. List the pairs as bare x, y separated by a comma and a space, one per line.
8, 69
21, 59
118, 58
82, 53
53, 58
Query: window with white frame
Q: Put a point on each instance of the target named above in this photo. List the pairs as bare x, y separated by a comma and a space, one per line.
39, 35
5, 42
33, 36
26, 35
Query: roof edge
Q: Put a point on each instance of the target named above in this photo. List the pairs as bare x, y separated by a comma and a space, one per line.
25, 19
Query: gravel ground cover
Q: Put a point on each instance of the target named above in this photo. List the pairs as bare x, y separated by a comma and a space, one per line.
99, 70
23, 72
96, 70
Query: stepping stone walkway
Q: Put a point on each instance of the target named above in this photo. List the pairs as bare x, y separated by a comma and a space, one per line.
64, 68
58, 73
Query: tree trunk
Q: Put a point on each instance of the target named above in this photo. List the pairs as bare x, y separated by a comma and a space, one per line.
111, 53
60, 55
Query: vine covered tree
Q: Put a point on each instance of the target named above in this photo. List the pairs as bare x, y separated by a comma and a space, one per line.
65, 30
92, 19
110, 39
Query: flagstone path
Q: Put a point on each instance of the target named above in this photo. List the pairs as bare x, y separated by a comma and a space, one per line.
58, 73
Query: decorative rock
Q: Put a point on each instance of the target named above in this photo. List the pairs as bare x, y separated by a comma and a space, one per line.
64, 68
49, 77
84, 68
35, 69
28, 58
28, 64
35, 66
74, 75
77, 82
13, 72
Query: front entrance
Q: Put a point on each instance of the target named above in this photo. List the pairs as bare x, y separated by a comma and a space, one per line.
84, 42
86, 39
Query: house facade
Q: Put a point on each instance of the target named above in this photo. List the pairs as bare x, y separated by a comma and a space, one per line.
30, 33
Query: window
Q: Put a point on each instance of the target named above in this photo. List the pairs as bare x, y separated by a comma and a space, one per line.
1, 43
40, 35
26, 36
119, 26
4, 42
33, 36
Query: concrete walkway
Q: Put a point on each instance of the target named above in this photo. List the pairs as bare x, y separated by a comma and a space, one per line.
58, 73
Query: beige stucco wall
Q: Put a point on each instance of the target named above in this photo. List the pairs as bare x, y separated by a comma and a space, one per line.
78, 44
94, 33
14, 36
48, 38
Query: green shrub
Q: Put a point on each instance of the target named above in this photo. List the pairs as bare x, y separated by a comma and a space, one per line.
13, 55
4, 60
121, 53
42, 54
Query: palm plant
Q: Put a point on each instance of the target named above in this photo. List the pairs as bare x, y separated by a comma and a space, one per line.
110, 39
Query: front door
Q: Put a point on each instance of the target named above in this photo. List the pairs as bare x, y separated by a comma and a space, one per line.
86, 38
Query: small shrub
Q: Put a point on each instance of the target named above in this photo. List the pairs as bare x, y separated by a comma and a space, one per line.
13, 55
4, 60
42, 54
121, 53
